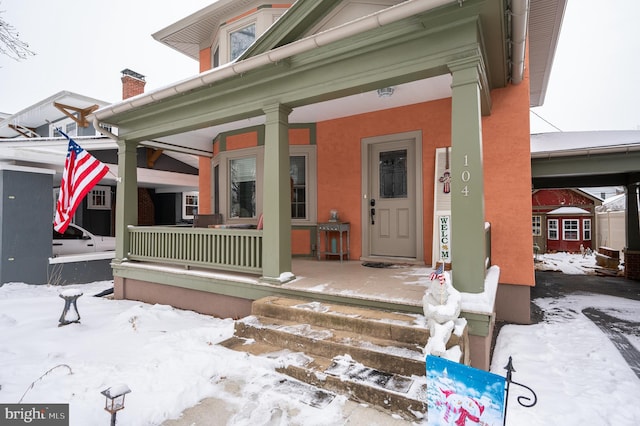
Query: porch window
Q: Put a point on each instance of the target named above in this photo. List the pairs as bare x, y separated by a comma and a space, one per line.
552, 229
189, 204
237, 177
298, 172
240, 40
243, 187
537, 225
570, 229
586, 229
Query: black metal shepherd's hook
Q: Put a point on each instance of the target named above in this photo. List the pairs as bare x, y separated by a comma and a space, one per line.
525, 401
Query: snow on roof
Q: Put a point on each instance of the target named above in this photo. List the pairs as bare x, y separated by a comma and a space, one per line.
574, 142
566, 211
615, 203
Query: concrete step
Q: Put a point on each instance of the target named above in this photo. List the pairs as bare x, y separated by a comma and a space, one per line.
370, 355
370, 322
393, 393
395, 357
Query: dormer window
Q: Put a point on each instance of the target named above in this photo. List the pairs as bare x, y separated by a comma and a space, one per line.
240, 40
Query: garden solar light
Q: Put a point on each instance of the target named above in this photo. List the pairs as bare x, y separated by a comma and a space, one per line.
114, 399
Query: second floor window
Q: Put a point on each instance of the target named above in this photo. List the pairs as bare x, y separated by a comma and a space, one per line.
240, 40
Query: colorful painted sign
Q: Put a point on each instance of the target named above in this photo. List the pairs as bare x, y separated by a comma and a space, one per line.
459, 395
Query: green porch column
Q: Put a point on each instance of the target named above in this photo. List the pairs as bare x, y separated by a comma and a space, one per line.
631, 219
126, 196
467, 180
276, 250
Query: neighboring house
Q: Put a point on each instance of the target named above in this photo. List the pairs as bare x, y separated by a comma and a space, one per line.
563, 219
410, 118
28, 138
29, 147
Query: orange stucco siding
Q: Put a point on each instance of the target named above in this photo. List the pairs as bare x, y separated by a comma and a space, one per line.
243, 140
339, 153
204, 183
300, 242
299, 136
205, 59
507, 179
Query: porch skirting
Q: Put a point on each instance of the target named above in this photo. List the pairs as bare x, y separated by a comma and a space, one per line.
217, 305
230, 295
513, 303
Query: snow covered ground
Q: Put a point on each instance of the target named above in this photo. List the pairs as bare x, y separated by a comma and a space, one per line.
170, 361
568, 263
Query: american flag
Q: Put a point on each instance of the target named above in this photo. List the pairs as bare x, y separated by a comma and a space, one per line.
438, 273
82, 171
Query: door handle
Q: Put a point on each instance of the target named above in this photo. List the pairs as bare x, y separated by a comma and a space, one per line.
372, 203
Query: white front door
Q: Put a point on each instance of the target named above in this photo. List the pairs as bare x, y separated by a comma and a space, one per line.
392, 199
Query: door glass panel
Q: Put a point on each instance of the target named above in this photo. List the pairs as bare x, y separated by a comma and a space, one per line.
393, 174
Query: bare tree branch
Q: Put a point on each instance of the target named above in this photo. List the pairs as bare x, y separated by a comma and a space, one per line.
10, 43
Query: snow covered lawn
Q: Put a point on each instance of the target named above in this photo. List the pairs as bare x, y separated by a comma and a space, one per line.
170, 360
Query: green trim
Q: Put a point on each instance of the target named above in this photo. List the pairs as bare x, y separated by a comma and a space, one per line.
292, 26
479, 324
259, 129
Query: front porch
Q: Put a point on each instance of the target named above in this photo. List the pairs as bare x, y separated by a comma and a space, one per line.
398, 288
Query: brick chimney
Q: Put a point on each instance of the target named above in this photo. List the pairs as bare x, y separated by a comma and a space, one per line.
132, 83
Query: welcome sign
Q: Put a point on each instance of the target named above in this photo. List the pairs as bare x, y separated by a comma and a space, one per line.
444, 238
459, 395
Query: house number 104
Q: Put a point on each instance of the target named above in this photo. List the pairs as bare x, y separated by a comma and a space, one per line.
466, 177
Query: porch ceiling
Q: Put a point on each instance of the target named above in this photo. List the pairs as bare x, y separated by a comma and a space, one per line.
319, 78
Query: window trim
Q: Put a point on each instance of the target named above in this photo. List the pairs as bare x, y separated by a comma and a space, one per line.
552, 228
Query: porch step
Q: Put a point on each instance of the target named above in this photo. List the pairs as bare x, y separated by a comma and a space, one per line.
369, 355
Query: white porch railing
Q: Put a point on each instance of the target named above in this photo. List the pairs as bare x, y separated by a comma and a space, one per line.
228, 249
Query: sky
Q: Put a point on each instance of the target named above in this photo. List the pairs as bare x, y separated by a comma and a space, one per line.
170, 360
82, 46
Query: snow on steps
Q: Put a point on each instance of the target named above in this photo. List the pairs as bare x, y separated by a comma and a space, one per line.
370, 355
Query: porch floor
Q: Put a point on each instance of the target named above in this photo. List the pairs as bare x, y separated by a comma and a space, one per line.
400, 283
